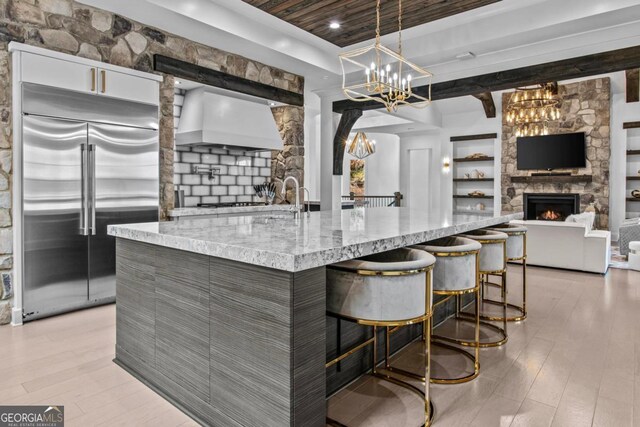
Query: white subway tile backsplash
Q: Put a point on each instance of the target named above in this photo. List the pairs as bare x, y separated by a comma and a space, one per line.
181, 168
235, 190
200, 149
210, 199
228, 160
239, 171
227, 180
191, 201
265, 171
219, 190
210, 159
191, 179
193, 158
201, 190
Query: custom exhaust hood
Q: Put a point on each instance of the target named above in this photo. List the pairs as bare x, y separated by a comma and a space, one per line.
213, 119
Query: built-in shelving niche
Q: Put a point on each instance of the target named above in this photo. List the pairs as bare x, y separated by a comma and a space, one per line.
633, 169
464, 146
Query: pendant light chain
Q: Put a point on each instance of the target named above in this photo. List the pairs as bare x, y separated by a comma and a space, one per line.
400, 27
378, 22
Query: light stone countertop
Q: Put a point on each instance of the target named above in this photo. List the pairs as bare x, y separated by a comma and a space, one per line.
197, 211
278, 241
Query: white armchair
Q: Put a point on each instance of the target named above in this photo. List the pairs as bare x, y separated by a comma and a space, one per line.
567, 245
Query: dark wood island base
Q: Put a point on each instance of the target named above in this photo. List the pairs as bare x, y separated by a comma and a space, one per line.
230, 344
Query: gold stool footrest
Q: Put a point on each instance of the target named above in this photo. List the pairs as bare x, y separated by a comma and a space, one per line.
517, 318
468, 317
459, 380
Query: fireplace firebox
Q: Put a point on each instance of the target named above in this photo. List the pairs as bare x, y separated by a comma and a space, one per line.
550, 207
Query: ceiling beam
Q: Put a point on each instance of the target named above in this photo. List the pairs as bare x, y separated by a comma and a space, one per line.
487, 103
572, 68
208, 76
348, 119
633, 85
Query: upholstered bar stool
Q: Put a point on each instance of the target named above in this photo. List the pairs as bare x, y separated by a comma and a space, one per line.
516, 252
389, 290
455, 274
493, 261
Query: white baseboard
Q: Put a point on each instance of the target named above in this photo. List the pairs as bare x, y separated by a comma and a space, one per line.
16, 317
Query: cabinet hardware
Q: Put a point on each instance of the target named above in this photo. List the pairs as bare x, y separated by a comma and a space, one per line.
104, 80
93, 80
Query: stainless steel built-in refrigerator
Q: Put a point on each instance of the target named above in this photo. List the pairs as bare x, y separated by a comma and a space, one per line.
88, 161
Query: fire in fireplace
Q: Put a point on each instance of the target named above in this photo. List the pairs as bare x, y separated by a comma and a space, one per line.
551, 215
550, 206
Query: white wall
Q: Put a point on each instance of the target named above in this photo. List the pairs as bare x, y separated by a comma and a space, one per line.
312, 144
382, 176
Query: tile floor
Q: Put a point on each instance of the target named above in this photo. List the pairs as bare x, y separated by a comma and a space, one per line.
574, 362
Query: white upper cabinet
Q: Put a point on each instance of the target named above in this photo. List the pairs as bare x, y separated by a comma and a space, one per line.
125, 86
45, 67
55, 72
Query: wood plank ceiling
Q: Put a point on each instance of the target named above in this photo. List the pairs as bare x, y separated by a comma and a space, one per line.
358, 17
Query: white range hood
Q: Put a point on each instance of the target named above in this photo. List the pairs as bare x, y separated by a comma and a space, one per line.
222, 121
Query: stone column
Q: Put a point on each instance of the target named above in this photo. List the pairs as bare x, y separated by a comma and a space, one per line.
289, 161
6, 232
166, 146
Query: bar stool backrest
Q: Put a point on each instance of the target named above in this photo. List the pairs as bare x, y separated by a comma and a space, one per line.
455, 269
493, 252
516, 243
386, 287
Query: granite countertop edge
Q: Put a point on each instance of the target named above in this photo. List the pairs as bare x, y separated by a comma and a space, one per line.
299, 262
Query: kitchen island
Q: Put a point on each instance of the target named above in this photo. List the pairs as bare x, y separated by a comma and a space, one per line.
225, 317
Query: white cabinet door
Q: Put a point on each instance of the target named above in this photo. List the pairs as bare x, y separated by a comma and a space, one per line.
58, 73
125, 86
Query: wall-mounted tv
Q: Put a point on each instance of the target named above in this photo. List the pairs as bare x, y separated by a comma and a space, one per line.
564, 151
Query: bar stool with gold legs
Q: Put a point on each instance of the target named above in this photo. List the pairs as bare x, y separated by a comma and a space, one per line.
389, 290
516, 252
456, 274
493, 261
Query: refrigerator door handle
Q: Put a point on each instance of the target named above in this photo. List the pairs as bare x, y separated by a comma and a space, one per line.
84, 182
92, 168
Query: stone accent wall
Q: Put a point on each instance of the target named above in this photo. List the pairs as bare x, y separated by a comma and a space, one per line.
290, 161
586, 107
71, 27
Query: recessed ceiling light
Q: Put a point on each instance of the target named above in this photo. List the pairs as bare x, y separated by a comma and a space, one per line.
178, 82
334, 25
273, 104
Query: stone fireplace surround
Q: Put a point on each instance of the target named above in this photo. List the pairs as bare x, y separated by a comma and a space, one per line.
585, 107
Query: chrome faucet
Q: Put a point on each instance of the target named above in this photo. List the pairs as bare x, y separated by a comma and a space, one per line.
296, 209
306, 190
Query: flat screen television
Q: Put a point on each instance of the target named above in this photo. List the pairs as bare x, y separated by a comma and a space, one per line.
564, 151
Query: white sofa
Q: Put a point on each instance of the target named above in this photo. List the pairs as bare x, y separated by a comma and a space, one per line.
567, 245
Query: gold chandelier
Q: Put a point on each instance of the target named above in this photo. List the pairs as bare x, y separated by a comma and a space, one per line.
387, 77
360, 147
531, 109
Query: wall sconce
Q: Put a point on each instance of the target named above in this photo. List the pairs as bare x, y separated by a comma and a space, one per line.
446, 165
